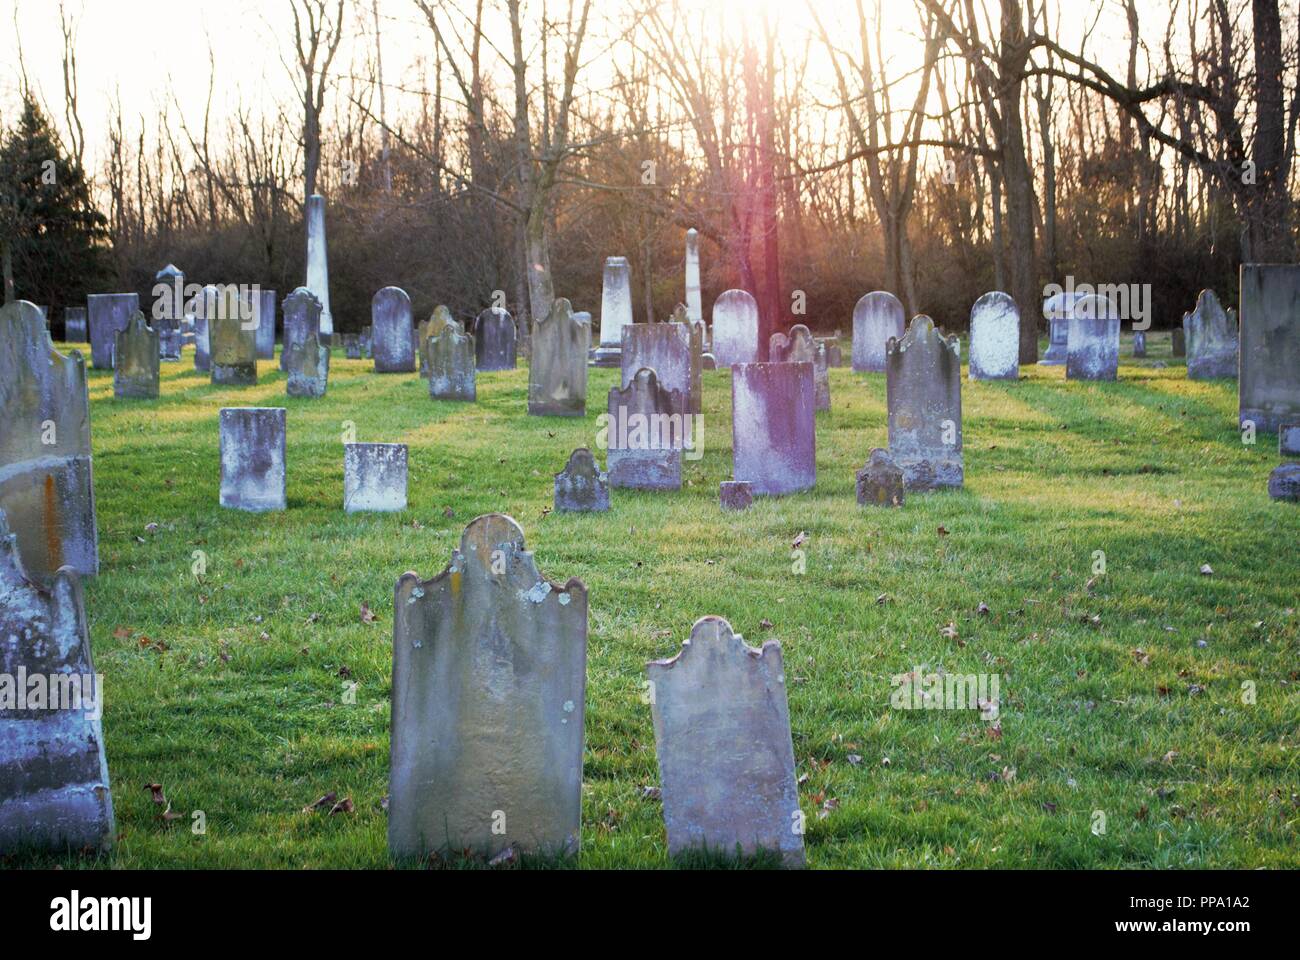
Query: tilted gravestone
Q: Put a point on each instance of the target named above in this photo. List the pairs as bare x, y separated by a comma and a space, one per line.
735, 328
1269, 383
233, 335
390, 326
136, 361
557, 373
108, 313
722, 736
923, 394
264, 317
46, 486
301, 312
318, 271
169, 311
494, 340
1210, 339
1094, 340
489, 687
307, 364
374, 477
694, 303
773, 427
994, 338
74, 324
646, 434
880, 482
450, 358
667, 349
877, 316
206, 304
54, 791
1139, 345
582, 487
351, 346
252, 458
615, 311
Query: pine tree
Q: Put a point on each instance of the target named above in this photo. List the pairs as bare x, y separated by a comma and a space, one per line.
55, 242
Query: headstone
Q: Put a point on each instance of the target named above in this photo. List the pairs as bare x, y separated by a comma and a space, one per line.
45, 465
923, 394
1094, 341
834, 351
647, 431
1056, 311
307, 364
301, 312
1210, 338
206, 304
876, 317
494, 339
252, 458
1288, 440
264, 317
352, 346
1139, 345
74, 324
390, 324
429, 328
136, 361
1269, 382
994, 338
778, 347
615, 311
233, 335
735, 328
557, 373
108, 313
450, 359
169, 311
54, 791
489, 681
318, 271
773, 426
1284, 482
1178, 342
367, 344
726, 759
667, 349
735, 495
880, 482
804, 348
708, 362
374, 477
694, 303
582, 487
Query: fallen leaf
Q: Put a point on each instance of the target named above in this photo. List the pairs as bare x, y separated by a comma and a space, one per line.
322, 803
943, 531
982, 609
343, 806
504, 857
366, 615
799, 540
157, 790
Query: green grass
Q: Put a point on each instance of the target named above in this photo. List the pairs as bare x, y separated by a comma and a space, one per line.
228, 689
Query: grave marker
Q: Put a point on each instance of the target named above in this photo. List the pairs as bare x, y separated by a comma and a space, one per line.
880, 482
253, 458
615, 311
390, 325
307, 364
773, 426
877, 316
169, 311
1094, 341
374, 477
557, 373
318, 271
108, 313
449, 357
495, 340
646, 433
234, 340
735, 328
136, 357
923, 394
1210, 339
994, 338
582, 487
1269, 383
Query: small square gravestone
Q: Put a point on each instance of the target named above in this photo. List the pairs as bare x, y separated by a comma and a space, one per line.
1093, 352
735, 328
735, 495
877, 316
582, 487
449, 357
773, 427
307, 363
489, 688
557, 372
1210, 336
136, 361
722, 736
374, 477
233, 335
108, 313
646, 435
923, 392
253, 458
1269, 384
495, 340
994, 338
390, 325
880, 482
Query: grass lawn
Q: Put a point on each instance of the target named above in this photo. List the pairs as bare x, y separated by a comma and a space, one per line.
1121, 694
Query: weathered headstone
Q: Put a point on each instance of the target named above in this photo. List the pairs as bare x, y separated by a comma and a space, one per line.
252, 458
834, 351
367, 344
647, 431
169, 311
1288, 440
450, 359
708, 362
489, 688
301, 312
1210, 339
582, 487
429, 328
318, 271
307, 363
773, 426
726, 759
557, 373
74, 324
877, 316
1284, 482
694, 302
778, 346
923, 394
1178, 342
45, 466
804, 348
136, 361
735, 328
735, 495
880, 482
205, 305
494, 340
374, 477
108, 313
1056, 311
54, 791
1269, 384
1139, 345
994, 338
352, 346
667, 349
390, 325
615, 311
234, 340
264, 317
1094, 340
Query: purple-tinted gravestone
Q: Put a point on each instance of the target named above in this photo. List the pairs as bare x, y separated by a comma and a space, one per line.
582, 487
374, 477
665, 348
74, 324
1288, 440
646, 433
1094, 340
1056, 311
804, 348
994, 338
877, 316
1210, 338
773, 426
1139, 345
557, 372
367, 345
390, 325
351, 346
264, 315
108, 313
449, 357
923, 394
136, 361
301, 321
1284, 482
169, 311
45, 467
735, 328
253, 458
1269, 383
494, 339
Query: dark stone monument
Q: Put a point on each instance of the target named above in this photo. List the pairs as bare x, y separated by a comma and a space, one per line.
923, 390
302, 313
1178, 342
74, 324
1269, 382
1284, 482
1288, 440
880, 481
494, 340
582, 487
390, 324
1139, 345
206, 304
352, 346
136, 357
169, 311
108, 313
